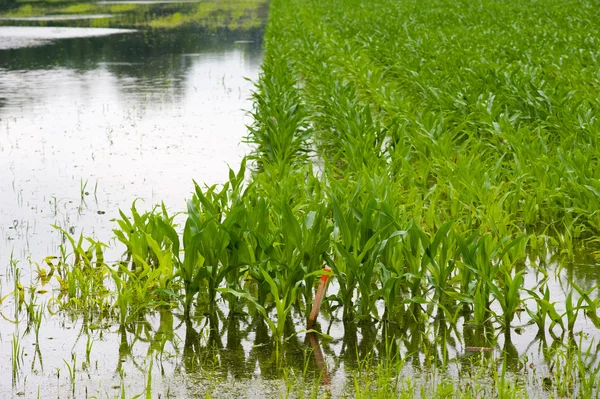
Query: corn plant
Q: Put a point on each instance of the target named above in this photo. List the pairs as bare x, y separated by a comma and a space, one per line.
544, 309
146, 236
213, 238
357, 249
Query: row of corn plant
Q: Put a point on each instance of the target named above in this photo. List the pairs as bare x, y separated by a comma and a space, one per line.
433, 172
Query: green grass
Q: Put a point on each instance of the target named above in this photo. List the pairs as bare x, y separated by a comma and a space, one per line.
233, 15
23, 11
79, 9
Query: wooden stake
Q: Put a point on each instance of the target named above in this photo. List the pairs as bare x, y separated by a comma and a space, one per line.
318, 299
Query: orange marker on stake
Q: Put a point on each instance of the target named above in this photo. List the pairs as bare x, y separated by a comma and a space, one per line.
318, 299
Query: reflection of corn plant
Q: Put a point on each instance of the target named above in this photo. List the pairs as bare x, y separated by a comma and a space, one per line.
17, 357
149, 379
72, 368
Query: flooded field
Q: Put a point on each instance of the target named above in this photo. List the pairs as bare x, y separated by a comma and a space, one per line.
165, 233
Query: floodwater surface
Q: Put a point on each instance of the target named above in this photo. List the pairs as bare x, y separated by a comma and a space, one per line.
14, 37
90, 120
57, 18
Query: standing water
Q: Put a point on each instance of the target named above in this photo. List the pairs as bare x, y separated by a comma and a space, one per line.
90, 120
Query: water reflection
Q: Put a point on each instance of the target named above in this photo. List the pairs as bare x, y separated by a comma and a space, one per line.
87, 125
229, 349
313, 340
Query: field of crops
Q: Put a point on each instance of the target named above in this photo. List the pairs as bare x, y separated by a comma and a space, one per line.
441, 157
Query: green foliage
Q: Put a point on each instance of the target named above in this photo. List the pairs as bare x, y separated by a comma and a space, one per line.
231, 15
